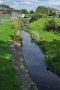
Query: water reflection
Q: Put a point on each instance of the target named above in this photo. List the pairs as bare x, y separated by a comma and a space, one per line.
40, 74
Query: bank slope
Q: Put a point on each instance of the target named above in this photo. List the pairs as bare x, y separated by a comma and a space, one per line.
49, 42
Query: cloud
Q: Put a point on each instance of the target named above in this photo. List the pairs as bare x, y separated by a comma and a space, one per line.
26, 2
1, 1
55, 3
43, 0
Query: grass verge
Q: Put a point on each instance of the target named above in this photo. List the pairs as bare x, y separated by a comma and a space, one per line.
8, 79
49, 42
5, 18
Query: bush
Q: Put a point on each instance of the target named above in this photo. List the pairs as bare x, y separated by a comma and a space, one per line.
58, 28
25, 21
36, 16
44, 16
52, 14
19, 38
29, 15
35, 36
50, 25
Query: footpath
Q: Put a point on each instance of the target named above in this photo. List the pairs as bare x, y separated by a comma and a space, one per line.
21, 67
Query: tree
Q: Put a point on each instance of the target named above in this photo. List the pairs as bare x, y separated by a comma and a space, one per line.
42, 10
6, 6
23, 11
50, 11
31, 12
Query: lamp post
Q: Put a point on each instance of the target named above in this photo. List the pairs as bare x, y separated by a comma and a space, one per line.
19, 9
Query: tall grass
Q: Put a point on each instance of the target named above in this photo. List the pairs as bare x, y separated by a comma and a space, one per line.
49, 42
35, 36
18, 25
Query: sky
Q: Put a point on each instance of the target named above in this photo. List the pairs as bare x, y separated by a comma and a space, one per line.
31, 4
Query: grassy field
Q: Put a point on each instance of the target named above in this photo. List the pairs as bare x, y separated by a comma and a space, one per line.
49, 42
8, 79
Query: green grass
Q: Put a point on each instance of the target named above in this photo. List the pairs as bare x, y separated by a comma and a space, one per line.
20, 17
49, 42
5, 18
8, 79
29, 15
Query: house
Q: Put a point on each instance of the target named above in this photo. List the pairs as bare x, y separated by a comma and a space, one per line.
53, 10
7, 12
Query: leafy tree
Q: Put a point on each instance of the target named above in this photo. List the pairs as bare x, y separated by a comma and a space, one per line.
42, 10
31, 12
23, 11
6, 6
52, 14
50, 11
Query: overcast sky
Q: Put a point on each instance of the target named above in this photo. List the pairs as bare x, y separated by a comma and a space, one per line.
31, 4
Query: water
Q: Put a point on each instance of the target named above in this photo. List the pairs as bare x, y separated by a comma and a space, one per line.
42, 77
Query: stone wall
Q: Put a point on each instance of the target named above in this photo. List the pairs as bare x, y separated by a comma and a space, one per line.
9, 15
5, 15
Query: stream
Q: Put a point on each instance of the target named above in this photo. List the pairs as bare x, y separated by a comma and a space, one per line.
34, 58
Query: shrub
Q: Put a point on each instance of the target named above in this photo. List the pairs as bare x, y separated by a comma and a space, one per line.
44, 16
16, 25
35, 35
58, 28
50, 25
52, 14
29, 15
35, 17
19, 38
25, 21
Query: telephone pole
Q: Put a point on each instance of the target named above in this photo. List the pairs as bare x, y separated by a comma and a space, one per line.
19, 9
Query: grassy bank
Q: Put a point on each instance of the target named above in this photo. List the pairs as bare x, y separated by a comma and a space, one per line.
5, 18
8, 79
49, 42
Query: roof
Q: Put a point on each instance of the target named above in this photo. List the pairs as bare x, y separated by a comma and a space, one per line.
7, 9
53, 9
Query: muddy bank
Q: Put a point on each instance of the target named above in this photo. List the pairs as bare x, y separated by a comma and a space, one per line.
21, 67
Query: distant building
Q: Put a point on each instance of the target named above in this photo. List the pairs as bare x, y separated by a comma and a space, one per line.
53, 10
11, 12
22, 15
